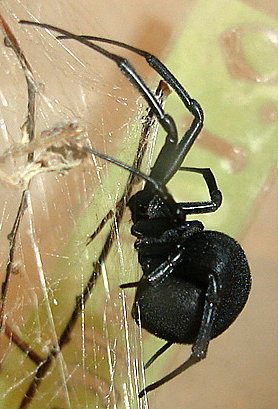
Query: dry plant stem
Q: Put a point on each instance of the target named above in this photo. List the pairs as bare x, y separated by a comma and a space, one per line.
23, 346
162, 92
29, 127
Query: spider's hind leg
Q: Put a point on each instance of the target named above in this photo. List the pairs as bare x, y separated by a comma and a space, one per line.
157, 354
132, 284
200, 346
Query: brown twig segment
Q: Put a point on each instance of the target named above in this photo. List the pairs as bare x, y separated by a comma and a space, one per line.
22, 345
29, 125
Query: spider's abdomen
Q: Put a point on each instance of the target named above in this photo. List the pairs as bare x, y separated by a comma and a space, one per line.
171, 311
212, 252
172, 308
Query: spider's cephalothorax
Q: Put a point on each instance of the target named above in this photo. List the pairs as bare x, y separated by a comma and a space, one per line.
195, 282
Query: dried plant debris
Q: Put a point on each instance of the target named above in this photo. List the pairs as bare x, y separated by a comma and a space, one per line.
55, 150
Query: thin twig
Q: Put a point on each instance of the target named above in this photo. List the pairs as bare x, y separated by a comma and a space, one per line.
22, 345
29, 125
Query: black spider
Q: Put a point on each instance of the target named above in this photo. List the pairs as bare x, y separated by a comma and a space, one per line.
195, 282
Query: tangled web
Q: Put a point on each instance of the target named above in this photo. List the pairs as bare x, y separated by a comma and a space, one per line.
67, 340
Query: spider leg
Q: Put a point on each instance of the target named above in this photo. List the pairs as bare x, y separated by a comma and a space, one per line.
214, 192
162, 271
168, 161
200, 346
173, 153
157, 354
166, 268
165, 120
161, 189
191, 361
132, 284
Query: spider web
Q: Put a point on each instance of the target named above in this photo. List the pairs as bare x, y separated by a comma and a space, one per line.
53, 198
78, 90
